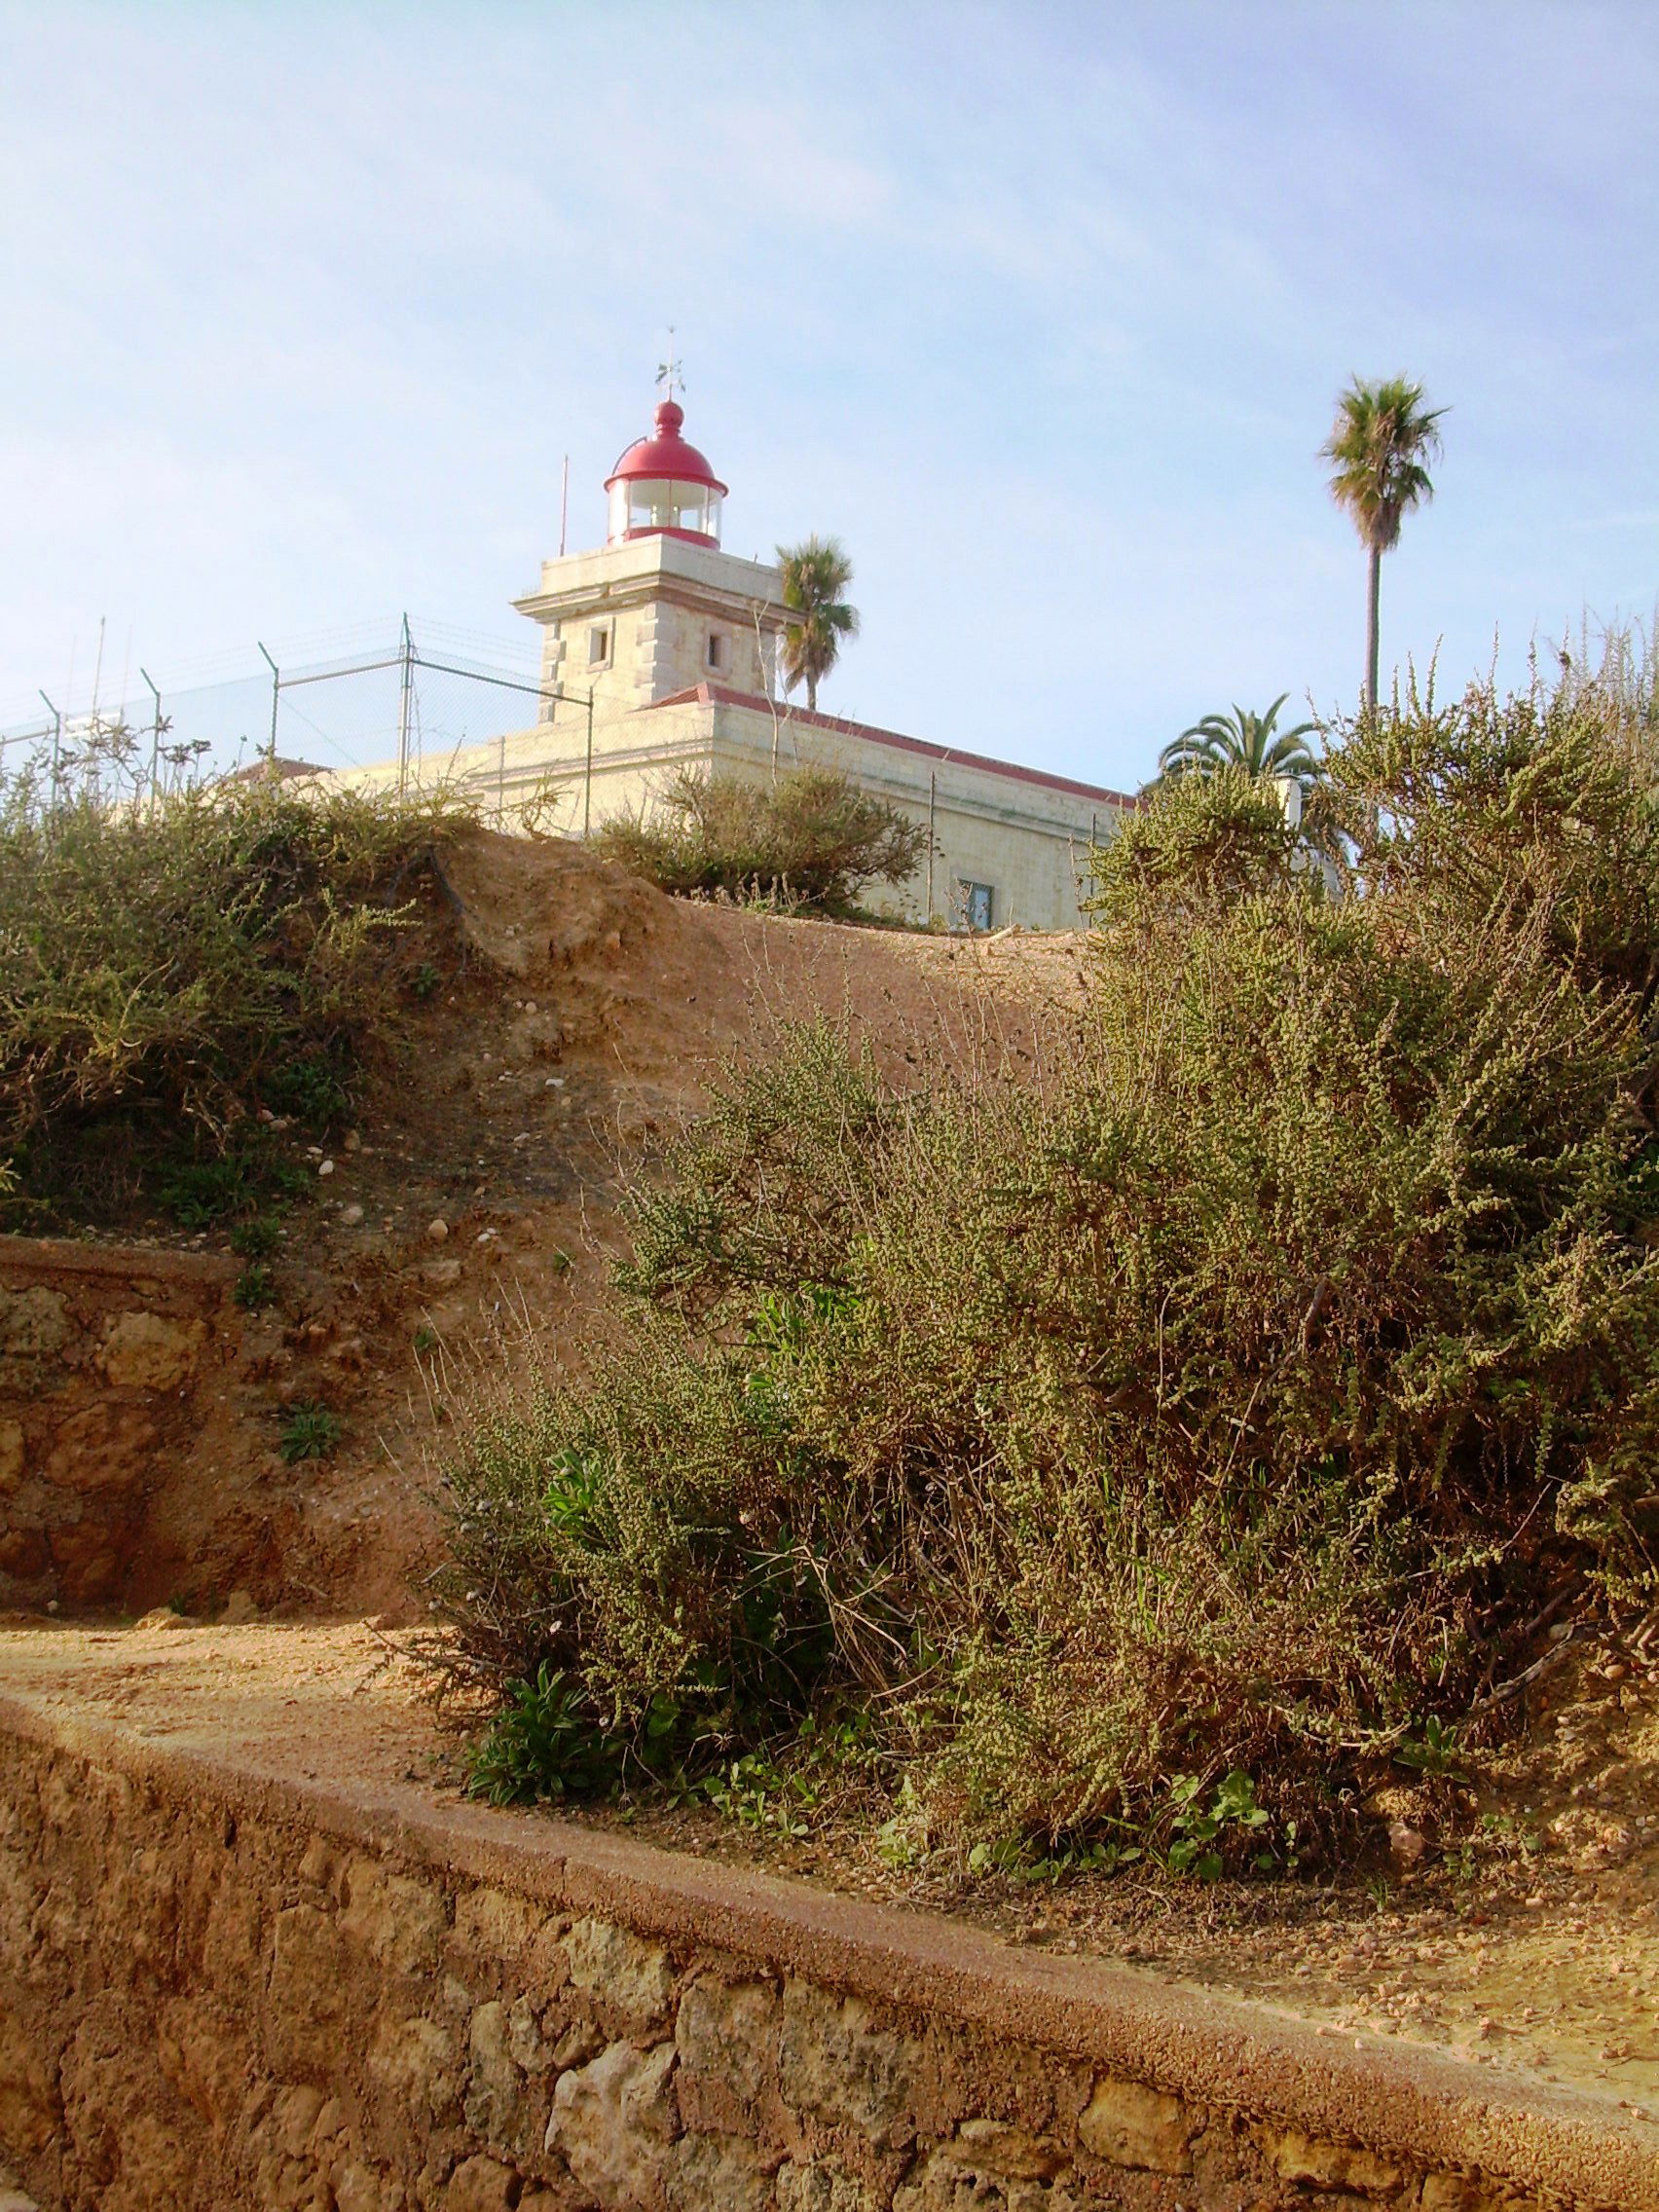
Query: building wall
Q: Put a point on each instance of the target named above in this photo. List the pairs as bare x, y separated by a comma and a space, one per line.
1026, 840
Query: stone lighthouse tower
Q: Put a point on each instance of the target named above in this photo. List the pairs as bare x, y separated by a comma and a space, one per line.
660, 608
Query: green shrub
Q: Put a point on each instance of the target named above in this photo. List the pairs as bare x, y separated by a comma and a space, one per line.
168, 970
310, 1431
809, 841
1186, 1435
255, 1288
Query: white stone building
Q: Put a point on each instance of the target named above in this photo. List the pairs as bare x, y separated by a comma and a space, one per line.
660, 652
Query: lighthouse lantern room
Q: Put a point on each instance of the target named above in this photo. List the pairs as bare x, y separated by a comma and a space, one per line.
662, 487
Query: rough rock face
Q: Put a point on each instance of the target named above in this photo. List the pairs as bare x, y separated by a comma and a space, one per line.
207, 2005
102, 1354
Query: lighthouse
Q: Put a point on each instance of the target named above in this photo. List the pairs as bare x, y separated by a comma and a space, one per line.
660, 608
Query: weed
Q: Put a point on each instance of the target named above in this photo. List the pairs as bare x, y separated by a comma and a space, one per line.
426, 1340
256, 1287
1196, 1833
310, 1431
256, 1239
424, 981
1437, 1751
544, 1745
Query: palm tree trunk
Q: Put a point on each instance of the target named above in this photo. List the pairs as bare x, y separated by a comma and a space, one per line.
1372, 600
811, 692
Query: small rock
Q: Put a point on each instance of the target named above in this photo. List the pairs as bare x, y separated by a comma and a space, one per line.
442, 1275
354, 1142
164, 1616
238, 1607
439, 1230
1407, 1845
350, 1216
325, 1167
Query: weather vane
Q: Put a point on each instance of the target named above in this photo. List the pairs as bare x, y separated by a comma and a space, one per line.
670, 372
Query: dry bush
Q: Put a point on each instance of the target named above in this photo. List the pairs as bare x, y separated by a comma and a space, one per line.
167, 968
809, 841
1224, 1403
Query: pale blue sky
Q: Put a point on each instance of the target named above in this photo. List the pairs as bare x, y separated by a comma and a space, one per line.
1042, 308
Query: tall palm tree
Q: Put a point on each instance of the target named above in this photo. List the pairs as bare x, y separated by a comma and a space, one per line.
816, 573
1384, 434
1242, 740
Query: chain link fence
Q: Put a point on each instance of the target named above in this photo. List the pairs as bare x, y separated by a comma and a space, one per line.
424, 707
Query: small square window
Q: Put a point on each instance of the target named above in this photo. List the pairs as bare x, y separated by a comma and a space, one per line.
716, 649
599, 646
978, 902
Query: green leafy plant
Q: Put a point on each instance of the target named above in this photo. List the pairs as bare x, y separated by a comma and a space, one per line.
544, 1745
256, 1287
256, 1239
426, 1340
425, 979
168, 969
1196, 1833
310, 1431
1437, 1751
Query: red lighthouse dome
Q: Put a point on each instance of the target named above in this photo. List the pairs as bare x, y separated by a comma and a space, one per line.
664, 488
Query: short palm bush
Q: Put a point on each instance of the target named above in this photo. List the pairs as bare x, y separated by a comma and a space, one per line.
1217, 1408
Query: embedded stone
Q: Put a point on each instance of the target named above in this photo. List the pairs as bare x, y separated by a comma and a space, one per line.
103, 1446
34, 1328
400, 1922
417, 2063
1130, 2125
718, 2173
622, 1968
727, 2032
29, 2105
967, 2177
823, 2187
833, 2063
146, 1351
614, 2124
1327, 2165
495, 2083
11, 1453
482, 2185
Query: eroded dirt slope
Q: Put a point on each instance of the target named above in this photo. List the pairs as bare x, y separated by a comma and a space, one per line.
567, 1018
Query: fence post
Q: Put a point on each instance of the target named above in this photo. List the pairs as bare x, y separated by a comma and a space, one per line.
276, 698
155, 741
933, 807
588, 779
405, 691
56, 747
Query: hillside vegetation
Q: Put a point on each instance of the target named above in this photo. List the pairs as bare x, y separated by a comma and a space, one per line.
179, 975
1149, 1456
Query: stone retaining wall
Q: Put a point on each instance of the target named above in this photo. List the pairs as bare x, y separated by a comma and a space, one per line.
226, 1992
103, 1354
